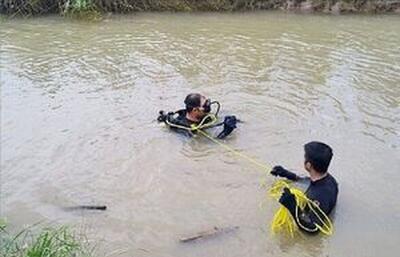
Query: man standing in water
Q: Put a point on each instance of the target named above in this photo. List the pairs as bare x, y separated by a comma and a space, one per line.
323, 188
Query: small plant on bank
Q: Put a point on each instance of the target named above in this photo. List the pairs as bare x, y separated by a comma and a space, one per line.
82, 9
47, 242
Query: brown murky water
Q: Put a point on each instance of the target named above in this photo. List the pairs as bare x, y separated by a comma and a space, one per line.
78, 108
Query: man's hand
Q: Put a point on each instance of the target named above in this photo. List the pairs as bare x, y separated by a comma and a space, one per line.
279, 171
288, 200
230, 121
162, 116
229, 126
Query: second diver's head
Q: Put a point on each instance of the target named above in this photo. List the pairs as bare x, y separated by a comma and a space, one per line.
197, 106
317, 157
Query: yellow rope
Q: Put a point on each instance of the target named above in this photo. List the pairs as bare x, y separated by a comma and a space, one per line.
282, 220
263, 166
201, 125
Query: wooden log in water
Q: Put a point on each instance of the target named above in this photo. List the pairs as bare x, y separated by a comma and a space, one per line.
86, 207
208, 233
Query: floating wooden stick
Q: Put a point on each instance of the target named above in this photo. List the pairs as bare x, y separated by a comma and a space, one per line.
208, 233
86, 207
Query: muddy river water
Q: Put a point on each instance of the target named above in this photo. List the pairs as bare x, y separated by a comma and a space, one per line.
79, 102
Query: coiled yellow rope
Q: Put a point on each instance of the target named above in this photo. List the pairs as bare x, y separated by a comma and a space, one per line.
283, 220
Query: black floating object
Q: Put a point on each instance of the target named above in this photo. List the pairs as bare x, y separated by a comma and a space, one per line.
87, 207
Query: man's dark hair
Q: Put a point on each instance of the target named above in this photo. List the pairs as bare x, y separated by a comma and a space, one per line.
192, 101
319, 155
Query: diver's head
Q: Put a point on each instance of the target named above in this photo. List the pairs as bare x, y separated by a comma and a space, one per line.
197, 106
317, 157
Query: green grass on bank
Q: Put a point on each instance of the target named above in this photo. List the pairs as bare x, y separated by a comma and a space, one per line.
42, 242
82, 8
26, 8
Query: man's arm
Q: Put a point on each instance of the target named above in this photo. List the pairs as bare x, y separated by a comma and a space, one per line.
174, 123
279, 171
305, 220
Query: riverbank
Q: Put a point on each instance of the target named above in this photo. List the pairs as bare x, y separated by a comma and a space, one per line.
40, 241
38, 7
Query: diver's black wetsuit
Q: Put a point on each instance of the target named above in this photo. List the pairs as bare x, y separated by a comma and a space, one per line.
179, 118
324, 193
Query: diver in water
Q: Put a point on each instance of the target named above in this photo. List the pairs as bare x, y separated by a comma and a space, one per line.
322, 189
197, 115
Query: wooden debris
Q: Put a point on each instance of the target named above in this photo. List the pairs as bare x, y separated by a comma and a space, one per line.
86, 207
208, 233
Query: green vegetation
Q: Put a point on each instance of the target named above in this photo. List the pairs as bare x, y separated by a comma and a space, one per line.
78, 6
82, 7
47, 242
